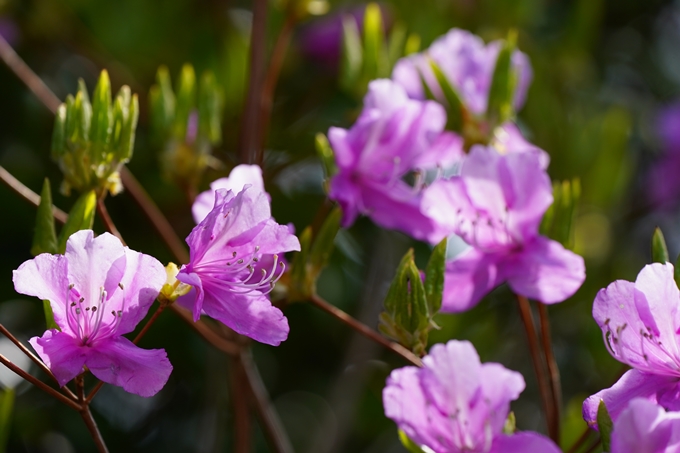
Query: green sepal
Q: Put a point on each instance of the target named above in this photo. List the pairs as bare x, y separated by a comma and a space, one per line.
300, 289
327, 156
499, 108
130, 117
45, 236
324, 243
605, 426
186, 101
49, 316
101, 113
434, 278
411, 446
510, 425
352, 54
81, 217
7, 397
454, 105
659, 248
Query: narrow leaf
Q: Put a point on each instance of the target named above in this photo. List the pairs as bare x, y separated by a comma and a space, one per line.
81, 217
352, 54
45, 236
186, 101
373, 42
454, 104
7, 397
499, 108
325, 152
323, 245
396, 44
101, 111
434, 278
605, 425
659, 249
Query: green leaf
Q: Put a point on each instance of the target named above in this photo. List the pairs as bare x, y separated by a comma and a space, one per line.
210, 103
7, 397
127, 137
323, 245
434, 278
605, 425
453, 102
326, 154
659, 249
101, 112
300, 289
396, 44
499, 108
352, 54
45, 236
162, 105
411, 446
49, 316
412, 44
374, 43
186, 101
81, 217
558, 221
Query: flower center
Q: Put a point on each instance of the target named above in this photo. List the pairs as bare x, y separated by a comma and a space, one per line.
90, 320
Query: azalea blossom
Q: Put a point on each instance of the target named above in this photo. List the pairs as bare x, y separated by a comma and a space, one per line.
496, 204
239, 176
456, 404
468, 65
226, 249
640, 322
393, 137
646, 427
98, 291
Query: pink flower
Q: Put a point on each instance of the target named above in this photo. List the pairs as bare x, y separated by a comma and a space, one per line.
468, 65
226, 249
393, 137
640, 322
456, 404
496, 204
98, 291
646, 427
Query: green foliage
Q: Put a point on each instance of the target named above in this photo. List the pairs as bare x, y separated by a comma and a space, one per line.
659, 248
90, 141
503, 83
558, 221
81, 217
411, 304
605, 426
327, 156
186, 125
7, 397
454, 107
45, 237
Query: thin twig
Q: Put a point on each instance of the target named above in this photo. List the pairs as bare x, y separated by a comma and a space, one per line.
154, 214
87, 416
30, 78
553, 370
40, 384
206, 332
239, 396
250, 149
539, 365
148, 324
580, 441
35, 359
365, 330
27, 194
271, 423
106, 218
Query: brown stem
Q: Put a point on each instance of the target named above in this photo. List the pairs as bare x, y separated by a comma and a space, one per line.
278, 439
365, 330
87, 416
539, 365
250, 149
35, 359
108, 221
27, 194
38, 383
30, 78
553, 369
148, 324
206, 332
154, 214
272, 76
239, 396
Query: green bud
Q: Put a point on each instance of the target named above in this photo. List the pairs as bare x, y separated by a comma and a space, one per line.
81, 217
434, 278
45, 237
659, 248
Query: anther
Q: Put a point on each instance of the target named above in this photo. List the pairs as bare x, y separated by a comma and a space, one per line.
70, 287
120, 285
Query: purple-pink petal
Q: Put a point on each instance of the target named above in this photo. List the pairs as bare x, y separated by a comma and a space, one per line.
646, 427
524, 442
468, 278
544, 270
118, 361
62, 353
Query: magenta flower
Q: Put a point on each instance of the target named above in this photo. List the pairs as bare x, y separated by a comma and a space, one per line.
455, 404
226, 248
640, 323
394, 136
239, 176
646, 427
468, 64
98, 291
496, 204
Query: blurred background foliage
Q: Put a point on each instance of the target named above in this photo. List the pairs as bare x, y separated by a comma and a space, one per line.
602, 71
